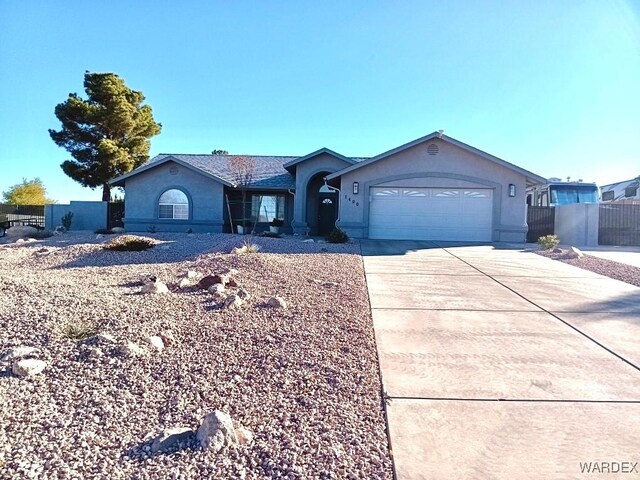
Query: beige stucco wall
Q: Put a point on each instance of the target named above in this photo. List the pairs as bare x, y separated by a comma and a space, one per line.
452, 167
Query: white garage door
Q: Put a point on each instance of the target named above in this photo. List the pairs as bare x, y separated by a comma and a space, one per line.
431, 214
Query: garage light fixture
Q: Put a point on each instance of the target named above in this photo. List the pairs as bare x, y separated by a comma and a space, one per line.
356, 188
512, 190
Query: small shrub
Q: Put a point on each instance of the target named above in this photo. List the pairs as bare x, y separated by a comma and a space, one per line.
78, 330
548, 242
104, 231
246, 248
337, 235
42, 234
270, 234
129, 243
66, 220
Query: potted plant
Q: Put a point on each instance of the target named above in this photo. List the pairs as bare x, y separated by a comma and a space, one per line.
245, 227
275, 224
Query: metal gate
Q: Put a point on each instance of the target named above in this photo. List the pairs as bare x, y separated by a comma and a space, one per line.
115, 214
23, 214
541, 221
619, 224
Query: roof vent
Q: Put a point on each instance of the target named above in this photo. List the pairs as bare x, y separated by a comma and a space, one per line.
433, 149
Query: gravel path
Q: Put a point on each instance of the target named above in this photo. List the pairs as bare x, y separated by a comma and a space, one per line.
608, 268
304, 379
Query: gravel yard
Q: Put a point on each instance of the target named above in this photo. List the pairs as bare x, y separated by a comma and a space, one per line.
608, 268
303, 379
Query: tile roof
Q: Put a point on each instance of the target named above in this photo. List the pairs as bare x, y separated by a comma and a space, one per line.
269, 170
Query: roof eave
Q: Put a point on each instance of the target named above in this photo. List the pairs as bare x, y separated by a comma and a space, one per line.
532, 178
291, 165
119, 181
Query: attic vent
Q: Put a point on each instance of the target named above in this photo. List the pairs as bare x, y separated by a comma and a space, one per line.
433, 149
173, 171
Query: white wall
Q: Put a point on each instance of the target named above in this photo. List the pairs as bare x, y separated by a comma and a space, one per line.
578, 224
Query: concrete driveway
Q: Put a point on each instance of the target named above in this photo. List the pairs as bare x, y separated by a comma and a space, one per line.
504, 364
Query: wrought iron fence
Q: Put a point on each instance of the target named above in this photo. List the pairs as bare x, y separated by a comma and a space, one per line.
541, 221
22, 214
115, 214
619, 224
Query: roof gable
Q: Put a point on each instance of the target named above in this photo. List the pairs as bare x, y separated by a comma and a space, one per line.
269, 172
530, 176
292, 164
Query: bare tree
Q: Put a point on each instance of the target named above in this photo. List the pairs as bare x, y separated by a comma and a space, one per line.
242, 169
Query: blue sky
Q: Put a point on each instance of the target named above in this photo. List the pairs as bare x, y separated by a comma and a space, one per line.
553, 87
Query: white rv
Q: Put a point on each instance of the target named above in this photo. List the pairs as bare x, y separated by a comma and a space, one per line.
625, 192
556, 192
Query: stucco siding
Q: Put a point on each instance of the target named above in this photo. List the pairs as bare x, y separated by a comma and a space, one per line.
206, 200
305, 171
451, 167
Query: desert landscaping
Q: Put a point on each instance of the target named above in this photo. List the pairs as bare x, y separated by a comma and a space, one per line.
188, 360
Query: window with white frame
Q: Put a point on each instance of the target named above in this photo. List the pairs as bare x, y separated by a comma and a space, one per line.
264, 208
173, 204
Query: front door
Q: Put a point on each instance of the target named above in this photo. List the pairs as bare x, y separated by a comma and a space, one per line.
327, 213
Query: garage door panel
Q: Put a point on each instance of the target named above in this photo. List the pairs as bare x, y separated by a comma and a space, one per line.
431, 214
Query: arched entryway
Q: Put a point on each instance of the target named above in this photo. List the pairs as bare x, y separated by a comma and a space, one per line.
322, 206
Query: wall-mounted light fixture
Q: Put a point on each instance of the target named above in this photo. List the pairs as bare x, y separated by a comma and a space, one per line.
356, 188
512, 190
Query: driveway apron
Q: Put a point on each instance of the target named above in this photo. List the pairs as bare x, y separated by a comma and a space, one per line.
504, 364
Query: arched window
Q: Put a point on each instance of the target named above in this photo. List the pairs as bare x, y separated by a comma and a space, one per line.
173, 204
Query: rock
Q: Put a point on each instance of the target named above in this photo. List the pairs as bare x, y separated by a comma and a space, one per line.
16, 353
245, 437
191, 274
231, 272
21, 231
209, 280
574, 253
28, 367
171, 438
308, 240
217, 432
42, 252
117, 230
167, 337
243, 294
99, 236
277, 302
233, 301
103, 338
147, 278
133, 350
20, 240
156, 342
184, 283
154, 287
216, 288
219, 297
556, 250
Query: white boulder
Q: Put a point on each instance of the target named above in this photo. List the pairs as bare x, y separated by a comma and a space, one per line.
28, 367
217, 432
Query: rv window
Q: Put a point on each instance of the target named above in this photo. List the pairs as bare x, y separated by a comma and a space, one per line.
631, 191
544, 199
608, 196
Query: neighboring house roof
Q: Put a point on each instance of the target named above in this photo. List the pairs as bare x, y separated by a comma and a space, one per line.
532, 178
269, 171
